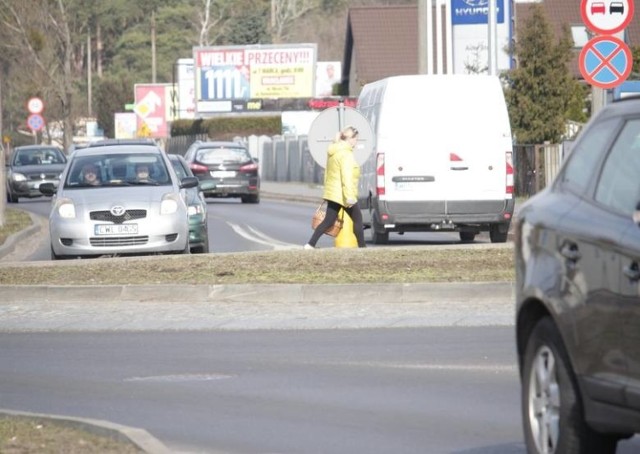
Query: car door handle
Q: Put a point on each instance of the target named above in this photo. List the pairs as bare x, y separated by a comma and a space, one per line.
570, 252
632, 271
459, 168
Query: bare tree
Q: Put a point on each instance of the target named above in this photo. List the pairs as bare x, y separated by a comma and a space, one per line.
212, 14
284, 13
48, 48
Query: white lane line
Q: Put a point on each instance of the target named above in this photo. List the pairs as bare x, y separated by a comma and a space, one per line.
180, 378
259, 237
436, 367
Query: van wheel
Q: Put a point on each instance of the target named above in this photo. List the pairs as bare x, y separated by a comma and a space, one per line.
496, 234
467, 237
378, 234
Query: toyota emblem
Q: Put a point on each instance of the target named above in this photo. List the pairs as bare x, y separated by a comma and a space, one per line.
117, 210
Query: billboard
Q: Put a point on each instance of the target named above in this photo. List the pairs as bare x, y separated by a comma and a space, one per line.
474, 12
153, 109
227, 74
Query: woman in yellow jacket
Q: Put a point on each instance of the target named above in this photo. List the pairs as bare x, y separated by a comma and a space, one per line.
341, 186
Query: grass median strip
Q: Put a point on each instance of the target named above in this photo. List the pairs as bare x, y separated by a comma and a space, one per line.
325, 266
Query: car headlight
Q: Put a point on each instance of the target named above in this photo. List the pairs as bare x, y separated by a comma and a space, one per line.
18, 177
169, 204
65, 208
194, 209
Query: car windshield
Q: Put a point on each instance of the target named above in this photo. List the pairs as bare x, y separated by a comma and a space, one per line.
38, 156
223, 155
120, 169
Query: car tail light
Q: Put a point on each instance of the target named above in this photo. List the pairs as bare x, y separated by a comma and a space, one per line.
509, 158
248, 168
454, 157
380, 189
198, 168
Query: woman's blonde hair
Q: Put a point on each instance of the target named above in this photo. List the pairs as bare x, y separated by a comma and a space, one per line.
347, 133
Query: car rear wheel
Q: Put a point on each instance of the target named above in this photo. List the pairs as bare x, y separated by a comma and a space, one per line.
253, 198
552, 413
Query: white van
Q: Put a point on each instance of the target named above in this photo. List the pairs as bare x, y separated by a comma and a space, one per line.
442, 158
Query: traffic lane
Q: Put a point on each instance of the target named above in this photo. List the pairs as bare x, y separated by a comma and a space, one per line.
238, 227
395, 390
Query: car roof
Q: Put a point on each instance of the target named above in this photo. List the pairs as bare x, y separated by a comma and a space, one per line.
111, 142
219, 143
116, 149
37, 147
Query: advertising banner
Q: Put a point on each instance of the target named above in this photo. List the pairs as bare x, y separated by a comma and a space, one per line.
153, 109
224, 74
474, 12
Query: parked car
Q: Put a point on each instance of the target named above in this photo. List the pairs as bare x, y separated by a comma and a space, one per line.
196, 206
225, 169
101, 208
577, 258
29, 167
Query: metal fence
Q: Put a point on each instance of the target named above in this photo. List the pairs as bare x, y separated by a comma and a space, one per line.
287, 158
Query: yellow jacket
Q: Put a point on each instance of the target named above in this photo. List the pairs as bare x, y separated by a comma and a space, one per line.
342, 175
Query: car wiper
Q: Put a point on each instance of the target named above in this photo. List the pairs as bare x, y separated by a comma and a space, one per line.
143, 183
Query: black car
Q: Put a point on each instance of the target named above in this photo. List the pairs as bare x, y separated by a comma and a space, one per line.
225, 169
30, 166
577, 255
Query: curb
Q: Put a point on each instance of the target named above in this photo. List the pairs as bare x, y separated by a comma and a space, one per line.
139, 437
258, 293
11, 242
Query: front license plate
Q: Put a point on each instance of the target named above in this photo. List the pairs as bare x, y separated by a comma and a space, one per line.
118, 229
222, 174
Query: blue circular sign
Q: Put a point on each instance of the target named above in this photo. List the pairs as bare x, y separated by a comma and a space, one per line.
35, 122
605, 61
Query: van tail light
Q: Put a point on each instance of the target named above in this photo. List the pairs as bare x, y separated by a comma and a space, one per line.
380, 189
509, 156
198, 168
249, 168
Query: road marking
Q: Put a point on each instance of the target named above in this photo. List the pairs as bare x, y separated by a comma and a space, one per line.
180, 378
434, 367
259, 237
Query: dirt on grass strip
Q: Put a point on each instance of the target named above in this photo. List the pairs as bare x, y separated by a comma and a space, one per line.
20, 435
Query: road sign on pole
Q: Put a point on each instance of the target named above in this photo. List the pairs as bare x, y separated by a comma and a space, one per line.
35, 122
35, 105
606, 17
605, 61
329, 122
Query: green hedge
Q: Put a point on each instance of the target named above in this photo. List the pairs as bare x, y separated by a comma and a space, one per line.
224, 128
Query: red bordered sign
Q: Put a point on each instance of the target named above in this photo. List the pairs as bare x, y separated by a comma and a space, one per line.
606, 17
605, 61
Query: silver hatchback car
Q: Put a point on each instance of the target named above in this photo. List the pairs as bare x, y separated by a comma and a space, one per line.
118, 200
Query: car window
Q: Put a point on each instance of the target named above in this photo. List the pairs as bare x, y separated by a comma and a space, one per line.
177, 166
619, 184
578, 171
222, 155
38, 156
117, 169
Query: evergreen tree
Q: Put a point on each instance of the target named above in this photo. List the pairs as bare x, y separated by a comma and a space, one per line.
541, 92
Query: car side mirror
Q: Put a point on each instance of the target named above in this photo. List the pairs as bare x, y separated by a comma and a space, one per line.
189, 182
48, 188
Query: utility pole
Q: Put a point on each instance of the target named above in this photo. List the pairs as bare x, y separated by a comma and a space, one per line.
89, 93
153, 47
